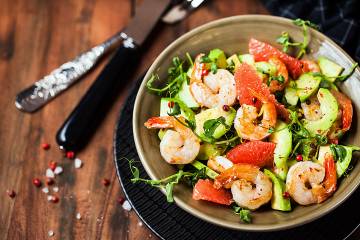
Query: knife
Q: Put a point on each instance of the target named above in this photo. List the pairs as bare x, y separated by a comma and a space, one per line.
44, 90
77, 129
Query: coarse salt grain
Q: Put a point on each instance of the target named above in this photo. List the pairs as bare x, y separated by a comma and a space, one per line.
58, 170
55, 189
78, 216
49, 173
45, 190
51, 233
77, 163
126, 205
140, 224
49, 198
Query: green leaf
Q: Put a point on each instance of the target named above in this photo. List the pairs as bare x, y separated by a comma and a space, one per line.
284, 40
321, 140
279, 78
205, 59
189, 59
211, 125
213, 68
338, 151
176, 76
245, 214
169, 192
189, 114
300, 22
134, 170
346, 76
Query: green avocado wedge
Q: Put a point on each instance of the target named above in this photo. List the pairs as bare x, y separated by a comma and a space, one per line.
212, 114
307, 85
329, 108
343, 158
329, 68
185, 95
208, 150
283, 139
291, 96
278, 202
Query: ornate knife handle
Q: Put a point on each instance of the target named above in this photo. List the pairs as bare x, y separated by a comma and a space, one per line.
42, 91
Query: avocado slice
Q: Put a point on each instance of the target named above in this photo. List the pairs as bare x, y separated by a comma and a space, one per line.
306, 85
218, 56
247, 58
265, 68
341, 165
283, 139
329, 68
278, 202
329, 108
208, 150
235, 60
214, 113
291, 95
185, 95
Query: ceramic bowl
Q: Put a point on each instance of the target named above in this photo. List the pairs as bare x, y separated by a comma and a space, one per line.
232, 35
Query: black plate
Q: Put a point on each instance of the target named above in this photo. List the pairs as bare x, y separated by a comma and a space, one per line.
168, 221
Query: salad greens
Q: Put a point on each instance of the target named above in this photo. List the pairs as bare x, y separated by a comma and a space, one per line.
286, 42
300, 123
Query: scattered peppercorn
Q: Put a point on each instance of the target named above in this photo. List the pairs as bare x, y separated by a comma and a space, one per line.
52, 165
11, 193
226, 108
204, 72
171, 104
70, 155
286, 195
49, 181
55, 199
121, 200
106, 182
37, 182
299, 157
45, 146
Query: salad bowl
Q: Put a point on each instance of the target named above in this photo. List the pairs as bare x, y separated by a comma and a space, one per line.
232, 35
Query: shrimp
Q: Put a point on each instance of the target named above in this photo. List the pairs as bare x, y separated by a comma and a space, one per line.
308, 182
280, 71
177, 147
219, 163
248, 125
311, 109
214, 89
250, 187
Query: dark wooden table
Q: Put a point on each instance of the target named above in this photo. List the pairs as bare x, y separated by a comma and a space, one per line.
36, 36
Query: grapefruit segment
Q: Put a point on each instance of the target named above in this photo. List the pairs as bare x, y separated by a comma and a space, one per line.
204, 190
257, 153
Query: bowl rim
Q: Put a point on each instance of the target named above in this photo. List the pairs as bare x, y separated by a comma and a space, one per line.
193, 211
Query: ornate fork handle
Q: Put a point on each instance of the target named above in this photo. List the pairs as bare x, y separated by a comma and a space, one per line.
61, 78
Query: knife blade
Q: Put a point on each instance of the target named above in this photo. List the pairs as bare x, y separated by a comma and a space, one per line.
80, 124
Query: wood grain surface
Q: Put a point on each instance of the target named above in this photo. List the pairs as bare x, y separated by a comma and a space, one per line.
36, 36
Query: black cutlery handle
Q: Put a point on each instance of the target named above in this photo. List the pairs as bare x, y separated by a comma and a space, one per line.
78, 128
